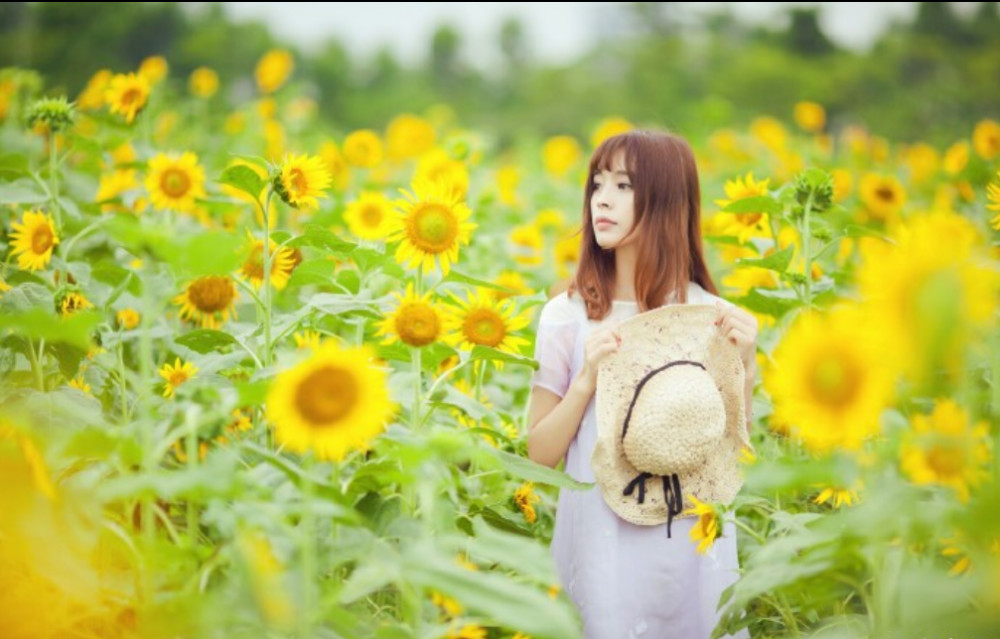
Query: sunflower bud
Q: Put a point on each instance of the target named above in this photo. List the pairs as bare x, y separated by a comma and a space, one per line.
817, 185
54, 114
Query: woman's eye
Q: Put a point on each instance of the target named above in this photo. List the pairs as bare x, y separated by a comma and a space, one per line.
624, 185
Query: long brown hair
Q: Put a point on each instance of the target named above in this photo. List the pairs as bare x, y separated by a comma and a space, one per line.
664, 179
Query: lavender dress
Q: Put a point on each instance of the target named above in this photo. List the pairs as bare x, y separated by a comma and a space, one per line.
627, 581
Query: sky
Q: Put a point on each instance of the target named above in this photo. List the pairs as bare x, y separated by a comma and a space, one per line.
557, 31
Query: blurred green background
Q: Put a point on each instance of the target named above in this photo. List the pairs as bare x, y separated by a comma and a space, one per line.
924, 77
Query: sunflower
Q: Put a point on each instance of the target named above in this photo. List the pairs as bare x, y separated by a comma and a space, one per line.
306, 339
363, 149
524, 499
437, 166
529, 242
416, 321
810, 116
370, 216
745, 225
408, 136
843, 184
567, 254
92, 96
334, 402
112, 185
448, 606
73, 302
301, 181
33, 239
956, 157
770, 132
203, 82
830, 380
432, 222
986, 139
923, 160
174, 183
336, 164
127, 94
154, 68
482, 321
708, 527
559, 154
176, 374
609, 127
837, 496
282, 263
469, 631
513, 284
993, 197
273, 70
883, 196
507, 179
945, 448
4, 287
208, 300
127, 318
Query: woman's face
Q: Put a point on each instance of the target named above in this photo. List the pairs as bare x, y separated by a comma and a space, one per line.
612, 205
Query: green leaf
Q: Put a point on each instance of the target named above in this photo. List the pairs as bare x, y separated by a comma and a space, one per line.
252, 393
243, 178
22, 191
769, 301
39, 324
68, 356
368, 260
13, 164
205, 340
27, 296
755, 204
121, 288
207, 253
369, 577
312, 271
485, 352
515, 551
337, 304
776, 261
139, 238
455, 276
322, 237
111, 273
526, 469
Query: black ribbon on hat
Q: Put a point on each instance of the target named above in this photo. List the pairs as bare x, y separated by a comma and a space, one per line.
672, 495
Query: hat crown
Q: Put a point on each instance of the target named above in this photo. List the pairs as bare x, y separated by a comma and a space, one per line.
677, 419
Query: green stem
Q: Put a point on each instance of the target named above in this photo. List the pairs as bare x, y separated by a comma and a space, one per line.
191, 417
54, 182
266, 356
308, 549
750, 531
123, 382
415, 353
806, 236
36, 367
69, 245
480, 374
146, 371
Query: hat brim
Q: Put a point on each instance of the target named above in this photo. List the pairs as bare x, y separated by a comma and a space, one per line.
649, 340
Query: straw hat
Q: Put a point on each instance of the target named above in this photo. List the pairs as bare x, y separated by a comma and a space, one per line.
670, 415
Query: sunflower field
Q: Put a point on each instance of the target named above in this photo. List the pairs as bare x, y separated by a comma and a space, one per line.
262, 377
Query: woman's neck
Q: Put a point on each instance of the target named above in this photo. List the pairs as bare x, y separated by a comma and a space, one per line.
625, 259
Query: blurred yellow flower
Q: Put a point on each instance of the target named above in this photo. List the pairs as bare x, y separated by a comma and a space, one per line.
432, 222
281, 266
956, 157
92, 96
154, 68
128, 318
176, 374
837, 496
370, 216
175, 182
127, 95
4, 287
437, 166
986, 139
770, 132
744, 278
448, 606
336, 164
727, 142
843, 184
306, 339
112, 185
945, 448
33, 240
274, 139
923, 161
525, 499
80, 384
508, 177
567, 254
513, 282
830, 380
708, 526
609, 127
470, 631
268, 580
810, 116
408, 136
529, 241
73, 302
559, 154
363, 148
204, 82
416, 321
273, 70
883, 197
549, 220
234, 123
745, 225
208, 301
334, 402
993, 202
301, 180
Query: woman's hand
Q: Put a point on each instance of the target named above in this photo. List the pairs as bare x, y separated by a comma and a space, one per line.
599, 345
740, 328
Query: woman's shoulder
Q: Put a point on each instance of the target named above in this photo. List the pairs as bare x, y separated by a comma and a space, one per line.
698, 295
562, 309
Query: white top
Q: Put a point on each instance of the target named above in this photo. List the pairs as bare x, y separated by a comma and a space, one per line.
627, 581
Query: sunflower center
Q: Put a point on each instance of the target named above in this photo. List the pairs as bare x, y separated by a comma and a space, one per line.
211, 294
483, 326
297, 180
885, 194
326, 396
834, 382
131, 96
178, 377
371, 216
946, 460
417, 324
41, 239
175, 182
749, 219
433, 227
